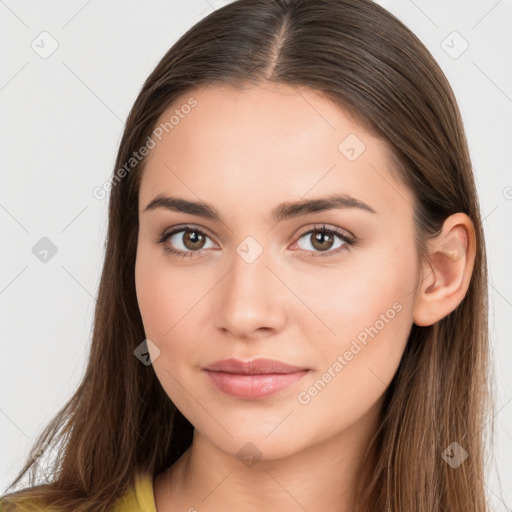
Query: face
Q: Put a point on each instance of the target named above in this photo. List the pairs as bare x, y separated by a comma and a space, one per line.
328, 290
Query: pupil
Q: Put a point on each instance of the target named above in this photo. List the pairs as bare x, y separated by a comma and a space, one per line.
319, 238
193, 238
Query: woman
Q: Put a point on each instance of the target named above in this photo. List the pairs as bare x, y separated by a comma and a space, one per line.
292, 312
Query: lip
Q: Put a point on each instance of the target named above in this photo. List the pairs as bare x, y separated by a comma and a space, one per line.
253, 387
254, 367
253, 380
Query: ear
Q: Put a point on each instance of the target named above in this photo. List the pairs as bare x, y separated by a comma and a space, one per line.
446, 276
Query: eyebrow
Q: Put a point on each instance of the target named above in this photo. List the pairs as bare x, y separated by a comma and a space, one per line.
281, 212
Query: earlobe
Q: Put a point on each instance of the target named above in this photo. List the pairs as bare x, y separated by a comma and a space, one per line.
447, 274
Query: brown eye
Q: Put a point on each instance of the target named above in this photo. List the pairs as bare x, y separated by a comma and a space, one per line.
323, 239
185, 241
193, 240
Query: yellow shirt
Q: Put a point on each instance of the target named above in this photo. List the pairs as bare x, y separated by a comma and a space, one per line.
139, 498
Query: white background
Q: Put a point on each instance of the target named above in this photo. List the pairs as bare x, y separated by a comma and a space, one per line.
62, 119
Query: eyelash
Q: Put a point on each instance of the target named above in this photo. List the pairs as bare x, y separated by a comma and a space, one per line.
349, 241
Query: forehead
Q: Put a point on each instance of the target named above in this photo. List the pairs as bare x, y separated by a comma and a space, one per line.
271, 142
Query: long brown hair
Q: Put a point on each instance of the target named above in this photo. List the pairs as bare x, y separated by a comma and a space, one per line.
120, 422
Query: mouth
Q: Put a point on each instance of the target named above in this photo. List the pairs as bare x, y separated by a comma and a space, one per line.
254, 379
255, 386
257, 366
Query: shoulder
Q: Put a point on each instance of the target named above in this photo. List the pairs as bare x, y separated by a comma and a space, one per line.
139, 497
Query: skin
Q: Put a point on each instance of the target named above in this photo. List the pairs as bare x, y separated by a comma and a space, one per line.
245, 152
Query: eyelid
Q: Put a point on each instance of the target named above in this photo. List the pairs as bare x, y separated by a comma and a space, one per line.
186, 227
304, 231
326, 227
348, 239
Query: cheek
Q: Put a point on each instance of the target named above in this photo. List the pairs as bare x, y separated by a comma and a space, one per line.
159, 301
163, 304
355, 367
153, 302
364, 315
170, 304
164, 295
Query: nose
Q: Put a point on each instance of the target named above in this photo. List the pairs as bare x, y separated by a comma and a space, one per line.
250, 301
